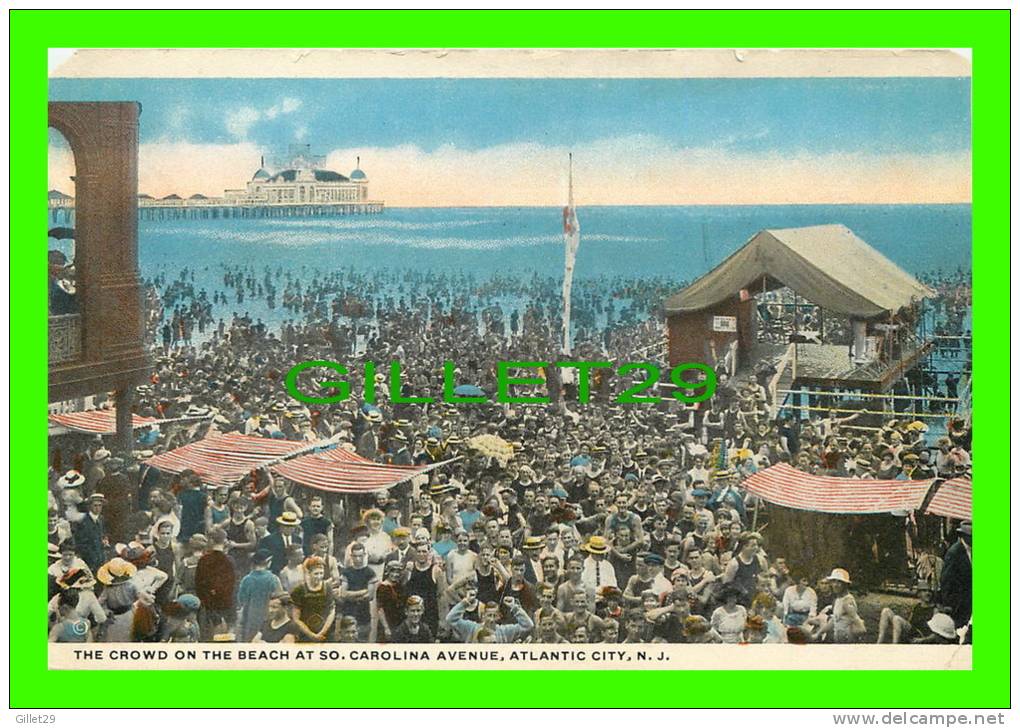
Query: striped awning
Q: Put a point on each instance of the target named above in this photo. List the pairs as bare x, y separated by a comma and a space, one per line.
788, 487
953, 499
342, 471
223, 459
97, 422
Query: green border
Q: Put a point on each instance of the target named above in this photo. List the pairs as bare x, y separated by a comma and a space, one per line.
986, 32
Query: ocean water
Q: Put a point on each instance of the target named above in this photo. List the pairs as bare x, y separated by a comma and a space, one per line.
678, 242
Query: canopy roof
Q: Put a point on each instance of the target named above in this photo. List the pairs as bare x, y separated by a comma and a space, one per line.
785, 486
342, 471
223, 459
104, 421
97, 422
953, 499
826, 264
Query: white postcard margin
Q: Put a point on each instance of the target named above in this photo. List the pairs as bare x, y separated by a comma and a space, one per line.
507, 63
213, 656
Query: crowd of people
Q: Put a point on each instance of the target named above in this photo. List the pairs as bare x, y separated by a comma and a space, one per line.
608, 523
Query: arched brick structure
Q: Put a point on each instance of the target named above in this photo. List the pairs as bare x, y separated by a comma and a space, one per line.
104, 139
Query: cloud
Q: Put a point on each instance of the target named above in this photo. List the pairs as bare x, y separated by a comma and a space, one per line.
631, 170
239, 121
642, 169
287, 106
177, 120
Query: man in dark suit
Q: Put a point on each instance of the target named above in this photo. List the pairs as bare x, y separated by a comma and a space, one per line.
215, 580
956, 587
401, 455
279, 542
90, 533
367, 446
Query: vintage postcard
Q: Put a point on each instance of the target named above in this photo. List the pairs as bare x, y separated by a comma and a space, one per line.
509, 359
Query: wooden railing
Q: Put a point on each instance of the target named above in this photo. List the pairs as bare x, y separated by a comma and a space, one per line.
789, 359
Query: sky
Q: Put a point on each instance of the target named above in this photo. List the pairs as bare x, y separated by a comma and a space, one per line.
468, 142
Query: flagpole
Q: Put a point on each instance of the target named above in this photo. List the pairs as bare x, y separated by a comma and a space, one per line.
566, 264
571, 239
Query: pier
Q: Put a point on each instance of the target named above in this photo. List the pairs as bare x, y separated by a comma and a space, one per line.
206, 210
62, 213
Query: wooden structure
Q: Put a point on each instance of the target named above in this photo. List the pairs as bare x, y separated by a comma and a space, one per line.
100, 348
828, 266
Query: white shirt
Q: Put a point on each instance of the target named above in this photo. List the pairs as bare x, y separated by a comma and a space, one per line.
597, 574
149, 579
730, 626
378, 546
806, 602
461, 565
57, 569
661, 585
88, 606
290, 577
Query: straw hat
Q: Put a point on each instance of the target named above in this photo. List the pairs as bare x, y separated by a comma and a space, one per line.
442, 488
942, 625
71, 479
533, 543
134, 553
116, 571
72, 578
597, 545
288, 518
839, 575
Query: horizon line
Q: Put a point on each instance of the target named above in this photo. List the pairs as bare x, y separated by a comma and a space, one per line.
653, 204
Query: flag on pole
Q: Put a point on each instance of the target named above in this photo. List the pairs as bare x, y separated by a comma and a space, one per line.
571, 240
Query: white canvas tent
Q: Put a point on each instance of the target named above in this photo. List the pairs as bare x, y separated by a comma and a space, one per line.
826, 264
